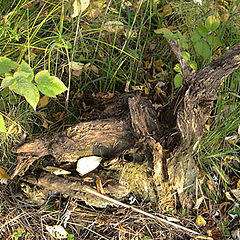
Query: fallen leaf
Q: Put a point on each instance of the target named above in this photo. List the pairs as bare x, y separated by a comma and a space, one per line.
236, 193
88, 164
172, 219
58, 116
56, 170
167, 10
3, 175
200, 221
238, 184
79, 6
210, 185
76, 66
14, 129
198, 202
99, 186
57, 231
113, 26
43, 101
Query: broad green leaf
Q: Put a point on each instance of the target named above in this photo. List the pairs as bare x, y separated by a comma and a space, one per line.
195, 36
24, 72
6, 65
28, 90
186, 56
7, 81
213, 41
212, 23
183, 41
171, 36
202, 30
178, 80
203, 49
2, 124
49, 85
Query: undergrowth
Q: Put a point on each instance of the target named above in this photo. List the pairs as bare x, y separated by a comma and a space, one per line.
127, 56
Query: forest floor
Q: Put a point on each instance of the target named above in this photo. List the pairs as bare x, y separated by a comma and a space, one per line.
108, 56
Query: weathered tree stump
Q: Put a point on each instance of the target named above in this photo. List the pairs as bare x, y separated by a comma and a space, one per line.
131, 122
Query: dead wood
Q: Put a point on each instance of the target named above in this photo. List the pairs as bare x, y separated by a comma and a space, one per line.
132, 122
200, 93
194, 109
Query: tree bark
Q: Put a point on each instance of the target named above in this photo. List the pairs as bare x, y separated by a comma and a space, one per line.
132, 122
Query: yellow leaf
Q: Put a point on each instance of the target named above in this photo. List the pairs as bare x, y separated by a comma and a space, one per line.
3, 174
14, 129
200, 221
238, 184
79, 6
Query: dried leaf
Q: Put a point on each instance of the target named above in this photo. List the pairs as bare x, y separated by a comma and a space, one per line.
88, 164
236, 193
198, 202
99, 186
172, 219
56, 170
79, 6
167, 10
57, 231
114, 26
3, 174
43, 101
76, 66
200, 221
210, 185
238, 184
58, 116
14, 129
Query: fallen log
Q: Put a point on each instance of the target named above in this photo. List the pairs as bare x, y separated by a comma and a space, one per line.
132, 122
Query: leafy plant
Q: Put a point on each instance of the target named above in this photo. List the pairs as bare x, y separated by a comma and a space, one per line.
204, 37
23, 82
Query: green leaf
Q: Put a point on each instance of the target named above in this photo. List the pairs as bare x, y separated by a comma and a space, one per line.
213, 41
177, 68
186, 56
28, 90
202, 30
178, 80
212, 23
24, 72
163, 31
6, 65
203, 49
183, 41
7, 81
2, 124
193, 65
49, 85
195, 36
171, 36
